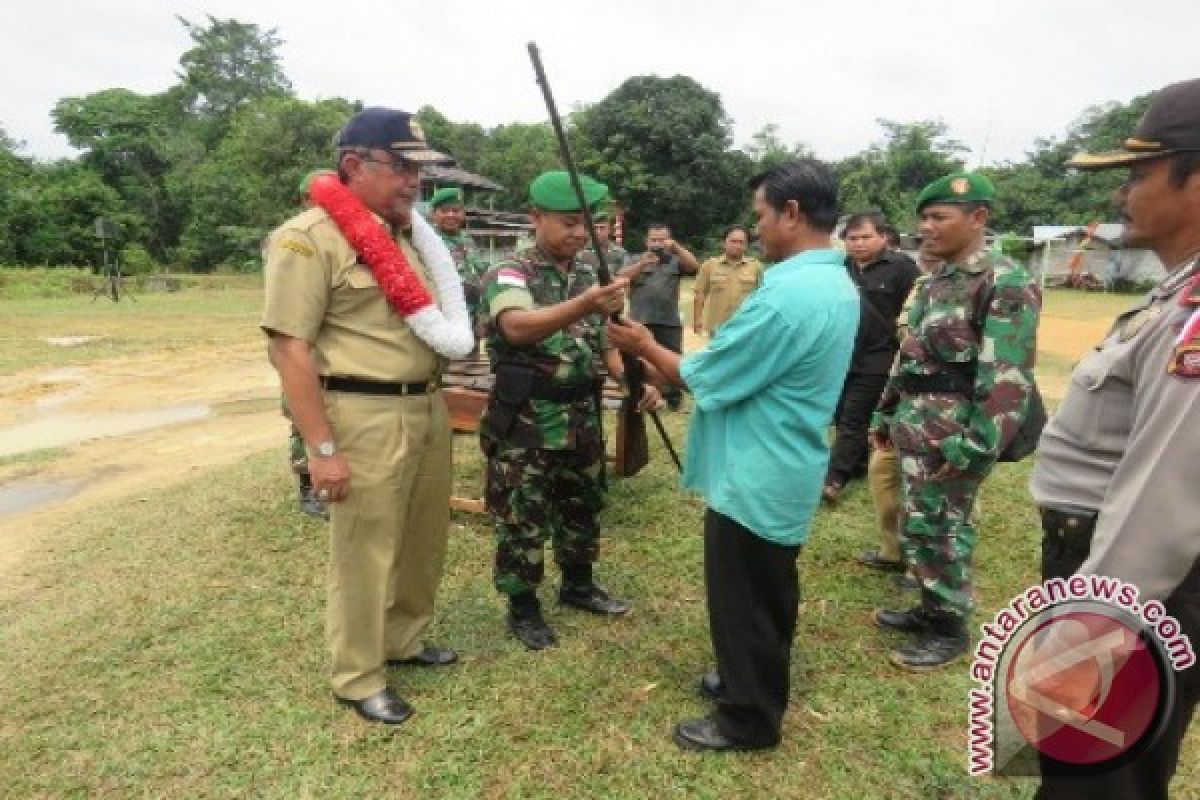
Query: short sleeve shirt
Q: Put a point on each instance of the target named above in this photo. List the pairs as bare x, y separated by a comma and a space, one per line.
318, 289
725, 285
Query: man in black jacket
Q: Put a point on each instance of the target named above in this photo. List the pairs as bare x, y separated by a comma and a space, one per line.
884, 278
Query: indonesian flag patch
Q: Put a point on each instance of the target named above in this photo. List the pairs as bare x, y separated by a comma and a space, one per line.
508, 276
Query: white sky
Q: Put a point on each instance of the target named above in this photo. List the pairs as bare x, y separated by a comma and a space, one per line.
1000, 73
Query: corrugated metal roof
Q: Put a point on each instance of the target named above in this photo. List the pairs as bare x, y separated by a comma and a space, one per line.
460, 177
1108, 231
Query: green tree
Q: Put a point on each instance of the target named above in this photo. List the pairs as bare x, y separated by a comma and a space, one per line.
466, 142
766, 149
248, 185
663, 147
15, 175
53, 216
888, 175
1041, 190
230, 63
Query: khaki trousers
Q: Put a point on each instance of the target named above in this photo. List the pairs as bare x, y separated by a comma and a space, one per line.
387, 539
883, 478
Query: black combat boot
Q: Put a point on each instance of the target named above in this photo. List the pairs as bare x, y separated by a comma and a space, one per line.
944, 640
580, 591
526, 622
910, 620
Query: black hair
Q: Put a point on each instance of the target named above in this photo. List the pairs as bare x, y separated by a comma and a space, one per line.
875, 219
1183, 165
733, 228
810, 183
658, 226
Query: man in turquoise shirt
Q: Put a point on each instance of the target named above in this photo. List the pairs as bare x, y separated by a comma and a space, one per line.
765, 390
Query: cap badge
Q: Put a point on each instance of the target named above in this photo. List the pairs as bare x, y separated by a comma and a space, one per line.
960, 186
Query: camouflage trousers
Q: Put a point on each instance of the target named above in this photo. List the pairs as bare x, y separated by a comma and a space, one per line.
937, 535
534, 495
297, 453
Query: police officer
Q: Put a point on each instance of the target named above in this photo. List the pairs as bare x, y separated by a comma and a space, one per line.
1115, 476
449, 216
956, 396
541, 431
724, 281
363, 392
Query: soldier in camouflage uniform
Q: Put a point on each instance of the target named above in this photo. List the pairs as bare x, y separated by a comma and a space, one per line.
956, 396
449, 215
615, 256
297, 453
541, 432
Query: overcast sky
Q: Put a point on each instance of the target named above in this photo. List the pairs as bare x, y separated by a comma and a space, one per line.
1000, 73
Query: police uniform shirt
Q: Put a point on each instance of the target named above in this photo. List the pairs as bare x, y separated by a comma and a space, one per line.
318, 290
1126, 443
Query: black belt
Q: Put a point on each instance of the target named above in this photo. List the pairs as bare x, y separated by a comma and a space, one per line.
1068, 524
945, 383
364, 386
564, 394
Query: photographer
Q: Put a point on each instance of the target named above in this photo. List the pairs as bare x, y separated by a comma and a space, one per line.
654, 292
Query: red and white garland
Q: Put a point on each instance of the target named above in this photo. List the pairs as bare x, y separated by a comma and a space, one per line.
446, 329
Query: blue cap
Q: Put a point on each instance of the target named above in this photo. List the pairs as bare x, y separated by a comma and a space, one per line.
388, 129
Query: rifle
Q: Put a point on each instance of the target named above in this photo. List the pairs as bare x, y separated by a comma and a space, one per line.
636, 454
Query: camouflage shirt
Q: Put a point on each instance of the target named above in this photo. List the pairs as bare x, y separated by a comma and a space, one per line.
614, 255
466, 257
567, 358
950, 331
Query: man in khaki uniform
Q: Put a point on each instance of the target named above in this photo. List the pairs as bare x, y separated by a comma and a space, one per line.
362, 389
724, 282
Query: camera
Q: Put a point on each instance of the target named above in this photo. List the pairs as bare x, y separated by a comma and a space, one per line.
660, 253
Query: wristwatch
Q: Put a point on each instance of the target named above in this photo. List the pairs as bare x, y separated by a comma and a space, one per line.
326, 449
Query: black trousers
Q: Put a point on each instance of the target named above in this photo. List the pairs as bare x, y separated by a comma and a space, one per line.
753, 597
670, 337
1147, 777
860, 395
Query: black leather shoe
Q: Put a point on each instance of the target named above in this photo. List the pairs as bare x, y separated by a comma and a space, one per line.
944, 642
905, 580
711, 686
703, 735
532, 631
593, 599
429, 656
910, 620
875, 560
383, 706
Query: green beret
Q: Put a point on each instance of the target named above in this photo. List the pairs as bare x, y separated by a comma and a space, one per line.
447, 195
552, 191
605, 211
307, 180
957, 187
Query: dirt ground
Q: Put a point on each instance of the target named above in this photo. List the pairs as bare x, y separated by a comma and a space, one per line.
123, 426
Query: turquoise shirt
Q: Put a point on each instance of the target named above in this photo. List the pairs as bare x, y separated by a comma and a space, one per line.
765, 390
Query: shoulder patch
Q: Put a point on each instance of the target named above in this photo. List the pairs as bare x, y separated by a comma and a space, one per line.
510, 276
296, 246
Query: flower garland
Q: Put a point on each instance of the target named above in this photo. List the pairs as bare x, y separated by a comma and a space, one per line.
447, 330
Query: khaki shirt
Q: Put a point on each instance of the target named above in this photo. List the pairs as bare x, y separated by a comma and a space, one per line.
317, 290
724, 286
1126, 443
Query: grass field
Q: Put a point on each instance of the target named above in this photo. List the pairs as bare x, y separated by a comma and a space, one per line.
173, 647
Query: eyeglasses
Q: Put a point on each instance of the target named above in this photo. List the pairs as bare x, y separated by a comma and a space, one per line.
398, 166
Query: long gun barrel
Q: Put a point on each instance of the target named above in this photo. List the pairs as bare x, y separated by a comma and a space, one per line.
634, 374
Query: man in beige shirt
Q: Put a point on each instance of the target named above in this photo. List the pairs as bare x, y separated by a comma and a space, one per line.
363, 391
724, 282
